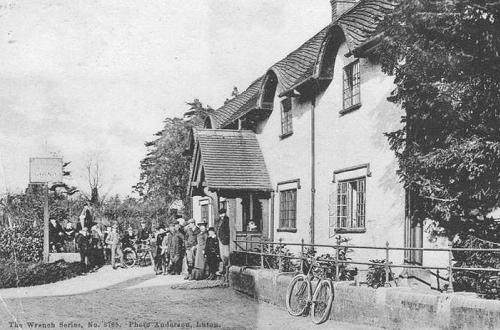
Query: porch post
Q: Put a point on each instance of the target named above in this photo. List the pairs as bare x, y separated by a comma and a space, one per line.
271, 219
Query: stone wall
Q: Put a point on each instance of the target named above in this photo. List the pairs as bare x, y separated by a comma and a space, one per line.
392, 308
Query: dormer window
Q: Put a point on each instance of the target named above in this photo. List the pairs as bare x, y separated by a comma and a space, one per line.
286, 118
351, 97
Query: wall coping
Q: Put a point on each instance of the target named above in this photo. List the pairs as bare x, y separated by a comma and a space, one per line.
395, 308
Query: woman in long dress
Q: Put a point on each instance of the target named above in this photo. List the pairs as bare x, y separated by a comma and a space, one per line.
198, 272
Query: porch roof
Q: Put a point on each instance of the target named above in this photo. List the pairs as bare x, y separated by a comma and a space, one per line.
230, 160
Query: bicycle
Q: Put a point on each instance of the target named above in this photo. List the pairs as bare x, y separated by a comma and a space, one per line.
299, 296
129, 256
138, 255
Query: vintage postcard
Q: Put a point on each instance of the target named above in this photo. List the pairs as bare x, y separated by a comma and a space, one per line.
249, 164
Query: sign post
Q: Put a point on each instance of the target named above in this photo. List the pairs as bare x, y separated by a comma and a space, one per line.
43, 171
46, 222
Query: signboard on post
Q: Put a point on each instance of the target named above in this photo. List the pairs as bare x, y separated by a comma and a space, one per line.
45, 170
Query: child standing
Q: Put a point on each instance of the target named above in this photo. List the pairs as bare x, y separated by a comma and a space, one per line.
212, 253
82, 242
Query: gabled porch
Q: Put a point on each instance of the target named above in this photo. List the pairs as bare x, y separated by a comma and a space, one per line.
228, 171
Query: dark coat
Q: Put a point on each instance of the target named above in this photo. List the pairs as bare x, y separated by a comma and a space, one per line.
223, 230
177, 247
83, 242
55, 233
159, 241
212, 247
88, 220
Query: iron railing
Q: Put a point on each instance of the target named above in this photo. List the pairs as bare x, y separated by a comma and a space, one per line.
387, 263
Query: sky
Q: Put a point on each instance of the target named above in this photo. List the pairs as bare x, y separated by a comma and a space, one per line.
94, 79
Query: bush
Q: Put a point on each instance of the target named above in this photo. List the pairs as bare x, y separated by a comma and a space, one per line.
23, 243
485, 283
20, 274
272, 262
376, 274
328, 269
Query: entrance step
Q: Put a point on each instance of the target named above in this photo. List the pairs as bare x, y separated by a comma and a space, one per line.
424, 279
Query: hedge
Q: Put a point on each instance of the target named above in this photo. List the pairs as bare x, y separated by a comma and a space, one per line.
20, 274
23, 243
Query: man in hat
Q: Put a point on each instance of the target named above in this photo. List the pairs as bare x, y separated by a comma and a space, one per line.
113, 240
165, 249
191, 231
177, 250
212, 253
159, 257
224, 235
82, 243
128, 239
56, 235
144, 232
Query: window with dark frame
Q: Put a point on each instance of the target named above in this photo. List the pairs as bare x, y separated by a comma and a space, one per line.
288, 209
351, 95
351, 204
204, 212
286, 117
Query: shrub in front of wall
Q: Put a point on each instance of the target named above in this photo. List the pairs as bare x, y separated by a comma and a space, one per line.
486, 284
23, 243
21, 274
288, 264
376, 274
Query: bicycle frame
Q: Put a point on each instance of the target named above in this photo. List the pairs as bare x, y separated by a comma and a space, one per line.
311, 300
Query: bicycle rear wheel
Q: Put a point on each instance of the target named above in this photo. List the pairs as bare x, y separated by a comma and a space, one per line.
322, 301
298, 295
129, 257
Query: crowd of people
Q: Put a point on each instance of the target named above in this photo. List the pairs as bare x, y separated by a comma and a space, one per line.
192, 249
183, 247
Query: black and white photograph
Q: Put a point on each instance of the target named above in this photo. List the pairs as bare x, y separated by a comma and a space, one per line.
250, 164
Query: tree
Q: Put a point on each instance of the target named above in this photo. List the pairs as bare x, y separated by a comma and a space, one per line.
444, 55
165, 169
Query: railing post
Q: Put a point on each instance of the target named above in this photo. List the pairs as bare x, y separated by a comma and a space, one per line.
261, 253
280, 260
302, 256
386, 264
450, 268
246, 250
337, 265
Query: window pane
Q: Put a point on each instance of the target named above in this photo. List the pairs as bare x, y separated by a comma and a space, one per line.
286, 116
351, 85
351, 203
288, 208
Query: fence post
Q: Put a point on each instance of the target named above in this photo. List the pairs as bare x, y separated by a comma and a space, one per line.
386, 264
337, 265
246, 250
302, 256
450, 268
280, 259
262, 253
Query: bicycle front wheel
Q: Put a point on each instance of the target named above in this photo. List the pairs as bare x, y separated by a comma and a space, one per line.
298, 295
129, 257
322, 301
